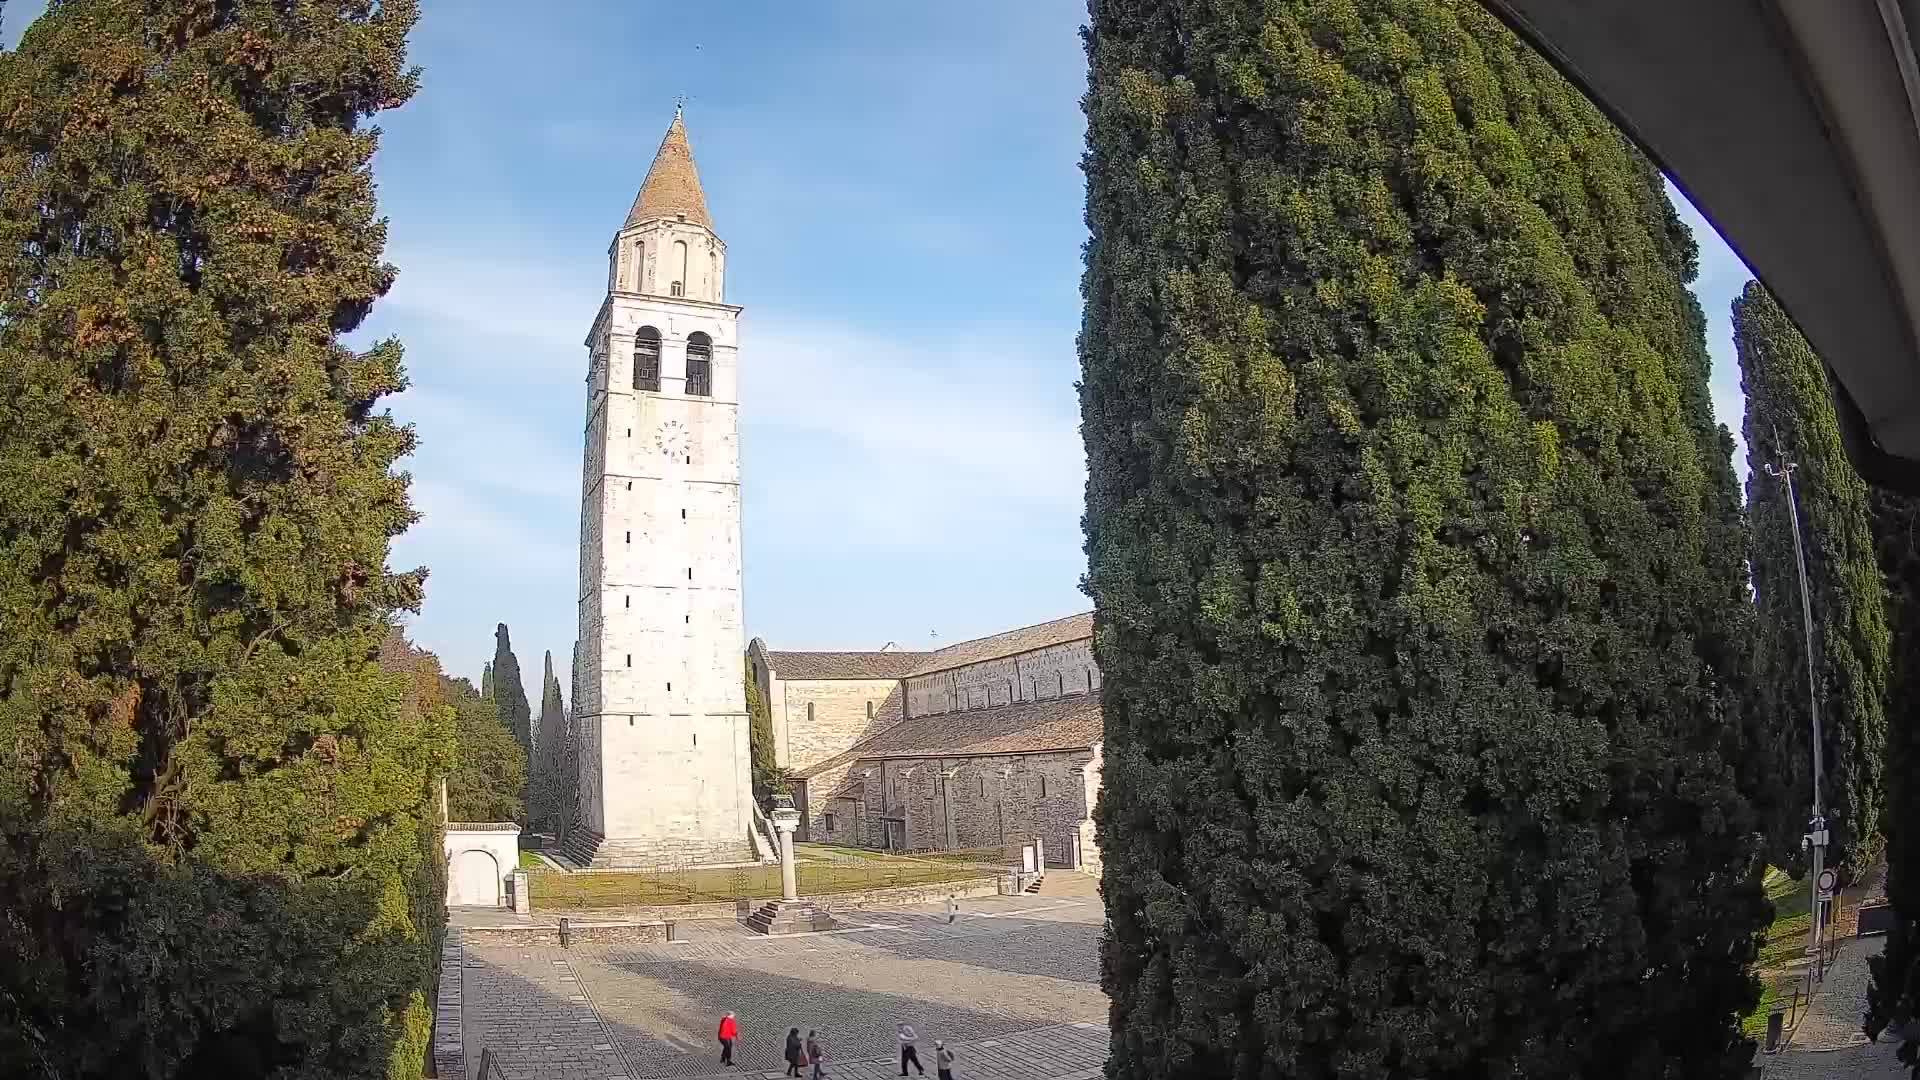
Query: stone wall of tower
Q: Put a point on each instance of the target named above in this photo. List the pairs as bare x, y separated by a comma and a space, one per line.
651, 256
660, 609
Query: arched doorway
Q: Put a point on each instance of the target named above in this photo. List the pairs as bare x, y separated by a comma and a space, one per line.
475, 879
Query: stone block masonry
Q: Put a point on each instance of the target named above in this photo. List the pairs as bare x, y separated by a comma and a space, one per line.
664, 769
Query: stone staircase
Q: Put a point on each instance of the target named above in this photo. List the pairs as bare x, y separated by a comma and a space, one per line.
1034, 885
579, 849
790, 917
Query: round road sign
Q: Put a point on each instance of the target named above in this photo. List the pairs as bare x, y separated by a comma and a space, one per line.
1827, 882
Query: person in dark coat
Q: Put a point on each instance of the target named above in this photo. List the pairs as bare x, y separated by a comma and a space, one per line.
795, 1052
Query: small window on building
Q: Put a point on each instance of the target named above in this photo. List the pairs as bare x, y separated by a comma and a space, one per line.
629, 536
683, 513
629, 659
646, 360
670, 690
983, 787
699, 365
829, 822
678, 289
1043, 787
809, 712
869, 710
629, 601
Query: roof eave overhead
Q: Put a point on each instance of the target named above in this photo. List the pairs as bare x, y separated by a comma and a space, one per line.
1794, 126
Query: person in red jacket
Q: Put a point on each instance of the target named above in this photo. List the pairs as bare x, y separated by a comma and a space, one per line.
729, 1031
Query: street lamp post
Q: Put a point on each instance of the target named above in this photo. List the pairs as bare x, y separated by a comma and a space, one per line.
1816, 838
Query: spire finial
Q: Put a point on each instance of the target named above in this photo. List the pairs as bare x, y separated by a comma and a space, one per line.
679, 105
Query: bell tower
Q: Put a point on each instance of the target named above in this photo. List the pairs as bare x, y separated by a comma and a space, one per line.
664, 758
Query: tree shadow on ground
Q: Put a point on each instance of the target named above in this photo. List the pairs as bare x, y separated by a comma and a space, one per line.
662, 1015
1019, 946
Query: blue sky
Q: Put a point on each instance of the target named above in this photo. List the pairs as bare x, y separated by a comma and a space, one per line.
899, 189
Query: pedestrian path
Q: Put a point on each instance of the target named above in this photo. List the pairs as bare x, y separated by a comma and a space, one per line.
1828, 1043
1061, 1052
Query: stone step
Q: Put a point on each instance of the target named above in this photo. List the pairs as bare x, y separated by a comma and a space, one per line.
790, 917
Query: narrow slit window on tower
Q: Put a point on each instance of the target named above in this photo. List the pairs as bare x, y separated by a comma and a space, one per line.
809, 712
689, 573
699, 366
680, 268
640, 266
869, 710
629, 537
683, 513
669, 688
983, 787
646, 361
1043, 786
629, 601
629, 659
629, 485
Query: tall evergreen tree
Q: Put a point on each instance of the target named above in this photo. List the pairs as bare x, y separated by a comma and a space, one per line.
570, 755
218, 836
1421, 679
488, 781
510, 692
486, 681
549, 782
768, 777
1790, 414
1894, 998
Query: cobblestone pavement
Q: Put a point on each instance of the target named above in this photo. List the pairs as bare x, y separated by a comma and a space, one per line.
999, 982
1829, 1043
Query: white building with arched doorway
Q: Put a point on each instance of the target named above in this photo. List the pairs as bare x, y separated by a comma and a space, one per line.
480, 855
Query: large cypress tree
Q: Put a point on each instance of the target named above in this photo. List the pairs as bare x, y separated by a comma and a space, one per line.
545, 791
1421, 675
1790, 414
218, 841
511, 694
1894, 998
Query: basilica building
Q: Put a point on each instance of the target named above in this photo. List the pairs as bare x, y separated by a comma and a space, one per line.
990, 743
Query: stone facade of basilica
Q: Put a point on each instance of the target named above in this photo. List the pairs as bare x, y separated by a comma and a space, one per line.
991, 743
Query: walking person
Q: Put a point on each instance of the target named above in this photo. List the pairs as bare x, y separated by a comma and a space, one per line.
729, 1031
816, 1055
795, 1052
953, 909
942, 1060
908, 1052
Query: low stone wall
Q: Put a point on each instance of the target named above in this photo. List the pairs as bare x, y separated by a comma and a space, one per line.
910, 894
735, 909
578, 933
449, 1047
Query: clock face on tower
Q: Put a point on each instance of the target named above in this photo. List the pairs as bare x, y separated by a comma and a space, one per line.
671, 439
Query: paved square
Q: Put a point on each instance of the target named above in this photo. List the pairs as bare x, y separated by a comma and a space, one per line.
1013, 985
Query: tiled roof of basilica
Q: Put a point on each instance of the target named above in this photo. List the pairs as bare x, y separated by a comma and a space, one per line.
1064, 723
843, 665
1025, 639
672, 186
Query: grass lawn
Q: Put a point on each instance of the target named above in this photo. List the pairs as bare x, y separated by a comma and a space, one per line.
1786, 941
553, 890
530, 861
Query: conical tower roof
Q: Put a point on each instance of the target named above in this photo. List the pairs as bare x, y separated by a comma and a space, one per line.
672, 185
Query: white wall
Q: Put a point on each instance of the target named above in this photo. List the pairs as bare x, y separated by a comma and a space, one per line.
661, 626
468, 846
